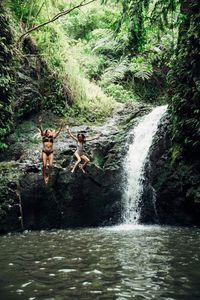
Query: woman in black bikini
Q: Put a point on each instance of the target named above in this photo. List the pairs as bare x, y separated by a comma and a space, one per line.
79, 153
48, 137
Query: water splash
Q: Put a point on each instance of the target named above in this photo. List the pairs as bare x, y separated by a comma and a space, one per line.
135, 160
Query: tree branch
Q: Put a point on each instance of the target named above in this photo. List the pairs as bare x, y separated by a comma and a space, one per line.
59, 15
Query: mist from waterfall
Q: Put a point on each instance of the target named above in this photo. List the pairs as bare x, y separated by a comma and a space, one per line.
143, 134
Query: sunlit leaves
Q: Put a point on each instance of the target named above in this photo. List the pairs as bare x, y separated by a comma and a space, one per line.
140, 68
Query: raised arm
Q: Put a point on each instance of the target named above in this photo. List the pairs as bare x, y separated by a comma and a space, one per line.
71, 135
59, 130
40, 125
93, 138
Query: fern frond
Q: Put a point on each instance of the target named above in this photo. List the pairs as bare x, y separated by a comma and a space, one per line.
117, 71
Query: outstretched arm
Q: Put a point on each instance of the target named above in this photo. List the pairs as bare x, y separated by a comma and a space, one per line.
40, 125
93, 138
71, 135
59, 130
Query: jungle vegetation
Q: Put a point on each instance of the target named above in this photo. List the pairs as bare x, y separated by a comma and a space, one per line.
120, 50
102, 54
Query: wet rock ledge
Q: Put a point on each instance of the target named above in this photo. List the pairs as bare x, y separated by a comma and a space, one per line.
69, 200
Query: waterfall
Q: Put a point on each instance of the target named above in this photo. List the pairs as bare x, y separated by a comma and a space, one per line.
134, 163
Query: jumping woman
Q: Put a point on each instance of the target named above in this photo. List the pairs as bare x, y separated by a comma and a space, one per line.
48, 137
79, 153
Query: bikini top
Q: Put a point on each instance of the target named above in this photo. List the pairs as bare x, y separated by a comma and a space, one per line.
47, 139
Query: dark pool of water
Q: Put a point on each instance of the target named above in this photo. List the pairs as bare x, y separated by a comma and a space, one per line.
125, 262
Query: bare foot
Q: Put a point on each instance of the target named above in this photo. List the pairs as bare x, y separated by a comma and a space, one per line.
82, 168
46, 179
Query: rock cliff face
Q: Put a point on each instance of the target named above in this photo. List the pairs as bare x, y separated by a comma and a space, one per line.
32, 93
171, 193
69, 200
95, 198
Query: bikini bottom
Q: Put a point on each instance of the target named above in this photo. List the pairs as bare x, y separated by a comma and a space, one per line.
47, 152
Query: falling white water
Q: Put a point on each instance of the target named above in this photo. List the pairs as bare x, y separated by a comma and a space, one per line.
135, 160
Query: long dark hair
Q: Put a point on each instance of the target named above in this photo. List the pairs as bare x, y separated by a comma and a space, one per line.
46, 130
79, 134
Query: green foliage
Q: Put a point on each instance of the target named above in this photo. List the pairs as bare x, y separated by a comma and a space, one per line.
112, 45
176, 153
141, 68
58, 48
104, 42
165, 14
6, 78
120, 94
116, 72
137, 33
183, 80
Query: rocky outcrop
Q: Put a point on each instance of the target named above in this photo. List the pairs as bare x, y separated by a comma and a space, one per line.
32, 92
171, 191
69, 200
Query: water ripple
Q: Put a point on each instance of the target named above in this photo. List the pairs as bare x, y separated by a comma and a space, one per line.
125, 262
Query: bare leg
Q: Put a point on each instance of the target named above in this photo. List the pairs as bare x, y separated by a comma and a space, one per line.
77, 162
46, 180
86, 159
44, 165
50, 163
